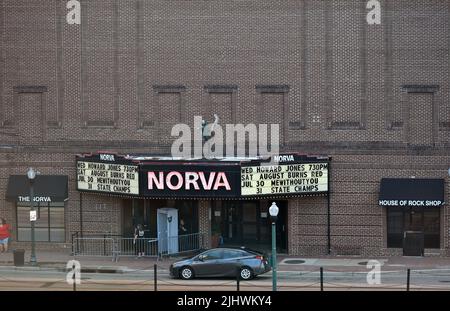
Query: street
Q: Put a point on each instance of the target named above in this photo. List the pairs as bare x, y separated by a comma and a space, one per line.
143, 280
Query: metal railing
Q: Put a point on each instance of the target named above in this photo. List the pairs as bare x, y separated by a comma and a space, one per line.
181, 244
116, 246
316, 279
92, 246
131, 246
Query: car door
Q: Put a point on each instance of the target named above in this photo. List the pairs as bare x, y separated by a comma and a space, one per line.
207, 263
230, 262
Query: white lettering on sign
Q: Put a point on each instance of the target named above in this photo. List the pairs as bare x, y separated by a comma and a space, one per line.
410, 202
107, 157
433, 203
283, 158
188, 180
108, 177
284, 179
388, 202
35, 199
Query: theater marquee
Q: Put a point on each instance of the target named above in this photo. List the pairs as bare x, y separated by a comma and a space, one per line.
284, 179
190, 180
107, 173
158, 177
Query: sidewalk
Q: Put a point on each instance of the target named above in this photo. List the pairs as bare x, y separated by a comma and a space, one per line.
59, 259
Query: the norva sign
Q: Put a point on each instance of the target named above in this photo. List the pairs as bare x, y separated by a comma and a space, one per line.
35, 199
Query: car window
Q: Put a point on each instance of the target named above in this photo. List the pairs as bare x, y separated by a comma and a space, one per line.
232, 254
214, 254
251, 253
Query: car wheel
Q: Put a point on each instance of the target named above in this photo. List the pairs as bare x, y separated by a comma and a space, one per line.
246, 273
187, 273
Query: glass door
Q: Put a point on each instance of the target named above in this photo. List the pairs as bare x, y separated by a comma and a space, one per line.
413, 220
431, 227
233, 223
250, 223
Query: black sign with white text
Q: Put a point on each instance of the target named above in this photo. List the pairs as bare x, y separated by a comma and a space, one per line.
107, 173
411, 192
190, 179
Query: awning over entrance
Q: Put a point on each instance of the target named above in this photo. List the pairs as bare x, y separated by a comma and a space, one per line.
411, 192
47, 188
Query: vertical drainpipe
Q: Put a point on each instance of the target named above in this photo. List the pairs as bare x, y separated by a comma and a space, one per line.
328, 208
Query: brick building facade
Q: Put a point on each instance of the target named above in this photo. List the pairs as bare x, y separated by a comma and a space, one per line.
375, 98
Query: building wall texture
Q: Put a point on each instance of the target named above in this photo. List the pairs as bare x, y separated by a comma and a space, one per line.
373, 97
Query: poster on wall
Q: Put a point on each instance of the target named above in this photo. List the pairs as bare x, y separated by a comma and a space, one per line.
108, 173
290, 176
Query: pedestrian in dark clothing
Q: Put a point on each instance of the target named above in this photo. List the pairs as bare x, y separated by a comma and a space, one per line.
139, 240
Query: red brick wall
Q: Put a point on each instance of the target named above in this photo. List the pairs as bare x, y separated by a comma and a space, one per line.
334, 84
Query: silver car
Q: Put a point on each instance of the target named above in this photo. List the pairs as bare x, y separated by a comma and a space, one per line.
222, 262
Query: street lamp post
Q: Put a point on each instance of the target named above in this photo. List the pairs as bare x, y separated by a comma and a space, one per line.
31, 174
273, 211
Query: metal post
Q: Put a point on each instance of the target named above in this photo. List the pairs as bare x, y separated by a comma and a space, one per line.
155, 277
78, 245
73, 278
321, 279
81, 214
238, 278
274, 257
81, 223
408, 279
33, 240
329, 209
73, 253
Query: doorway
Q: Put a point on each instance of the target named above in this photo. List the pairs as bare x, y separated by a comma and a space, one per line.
281, 226
240, 225
248, 223
418, 219
134, 212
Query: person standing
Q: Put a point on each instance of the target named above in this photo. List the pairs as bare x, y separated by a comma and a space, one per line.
139, 240
182, 230
4, 235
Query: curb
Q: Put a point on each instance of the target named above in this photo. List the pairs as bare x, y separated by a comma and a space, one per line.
87, 269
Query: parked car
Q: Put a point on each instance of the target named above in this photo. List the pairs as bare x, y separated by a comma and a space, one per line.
222, 262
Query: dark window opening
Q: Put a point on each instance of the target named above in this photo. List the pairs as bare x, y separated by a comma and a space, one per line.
49, 226
426, 220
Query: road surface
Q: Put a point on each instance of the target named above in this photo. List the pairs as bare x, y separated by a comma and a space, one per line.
143, 280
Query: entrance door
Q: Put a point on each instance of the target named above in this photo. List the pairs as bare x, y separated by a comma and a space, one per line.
426, 220
282, 226
247, 223
414, 220
241, 223
232, 229
133, 214
162, 233
167, 230
250, 229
